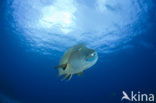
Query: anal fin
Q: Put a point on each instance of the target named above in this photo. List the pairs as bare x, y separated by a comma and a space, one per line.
67, 76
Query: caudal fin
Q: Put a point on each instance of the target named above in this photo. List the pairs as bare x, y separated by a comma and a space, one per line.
63, 66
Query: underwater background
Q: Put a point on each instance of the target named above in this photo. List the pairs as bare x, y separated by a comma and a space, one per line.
34, 34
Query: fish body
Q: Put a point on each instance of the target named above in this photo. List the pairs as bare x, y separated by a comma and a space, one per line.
76, 59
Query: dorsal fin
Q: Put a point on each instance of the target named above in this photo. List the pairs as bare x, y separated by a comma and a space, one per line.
78, 46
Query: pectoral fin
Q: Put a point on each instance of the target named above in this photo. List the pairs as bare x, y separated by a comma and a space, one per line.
63, 66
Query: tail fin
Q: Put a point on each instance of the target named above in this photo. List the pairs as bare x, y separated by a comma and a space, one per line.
63, 66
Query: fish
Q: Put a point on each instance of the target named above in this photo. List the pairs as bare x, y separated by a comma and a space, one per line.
76, 60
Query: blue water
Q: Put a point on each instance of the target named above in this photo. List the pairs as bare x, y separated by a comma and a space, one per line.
35, 34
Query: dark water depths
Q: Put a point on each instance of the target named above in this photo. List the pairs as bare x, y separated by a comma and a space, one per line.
34, 35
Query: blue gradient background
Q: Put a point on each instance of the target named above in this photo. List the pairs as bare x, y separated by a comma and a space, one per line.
27, 74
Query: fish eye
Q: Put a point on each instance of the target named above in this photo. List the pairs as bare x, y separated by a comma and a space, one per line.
93, 54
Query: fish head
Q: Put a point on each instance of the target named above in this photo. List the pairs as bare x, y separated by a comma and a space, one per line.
91, 57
